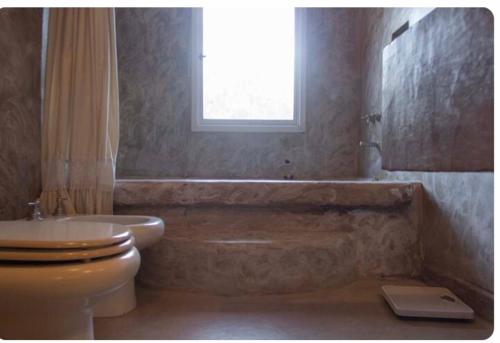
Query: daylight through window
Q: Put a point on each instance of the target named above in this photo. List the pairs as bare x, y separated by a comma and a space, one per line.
245, 69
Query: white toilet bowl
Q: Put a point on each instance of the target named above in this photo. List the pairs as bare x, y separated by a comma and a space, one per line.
49, 271
146, 230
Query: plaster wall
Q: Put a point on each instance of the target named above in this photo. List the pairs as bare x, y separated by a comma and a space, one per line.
457, 228
155, 105
20, 49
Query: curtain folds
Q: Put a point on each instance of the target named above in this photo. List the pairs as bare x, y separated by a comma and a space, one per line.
80, 118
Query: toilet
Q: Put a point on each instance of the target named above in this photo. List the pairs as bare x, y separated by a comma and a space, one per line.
146, 231
51, 270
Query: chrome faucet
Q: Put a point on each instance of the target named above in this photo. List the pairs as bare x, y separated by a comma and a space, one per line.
59, 211
372, 118
36, 213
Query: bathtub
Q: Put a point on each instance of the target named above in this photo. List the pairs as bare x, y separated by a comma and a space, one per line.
234, 237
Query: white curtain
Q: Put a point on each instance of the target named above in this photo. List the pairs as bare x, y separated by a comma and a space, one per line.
80, 117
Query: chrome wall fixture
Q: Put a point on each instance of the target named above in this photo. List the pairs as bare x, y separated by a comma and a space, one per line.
375, 145
372, 118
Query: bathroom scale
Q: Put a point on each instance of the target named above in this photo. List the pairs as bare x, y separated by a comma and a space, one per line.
427, 302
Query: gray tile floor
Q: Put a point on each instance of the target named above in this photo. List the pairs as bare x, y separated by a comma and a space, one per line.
356, 311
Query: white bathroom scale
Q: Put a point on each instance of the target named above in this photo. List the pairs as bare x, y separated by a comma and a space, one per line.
427, 302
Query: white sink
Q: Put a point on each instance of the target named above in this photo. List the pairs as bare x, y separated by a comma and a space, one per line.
146, 230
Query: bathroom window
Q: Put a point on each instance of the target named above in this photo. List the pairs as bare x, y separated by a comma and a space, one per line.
248, 69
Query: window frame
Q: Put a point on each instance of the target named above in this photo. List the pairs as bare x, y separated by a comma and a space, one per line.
199, 124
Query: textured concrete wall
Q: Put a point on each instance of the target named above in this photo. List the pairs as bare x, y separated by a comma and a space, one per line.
155, 105
438, 94
20, 46
458, 211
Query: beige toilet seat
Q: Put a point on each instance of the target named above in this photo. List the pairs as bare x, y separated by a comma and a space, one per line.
51, 234
63, 255
50, 241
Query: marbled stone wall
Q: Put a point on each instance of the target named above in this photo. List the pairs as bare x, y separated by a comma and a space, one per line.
458, 208
261, 193
20, 48
155, 105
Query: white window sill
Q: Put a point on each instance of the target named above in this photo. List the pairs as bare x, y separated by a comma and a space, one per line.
215, 125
